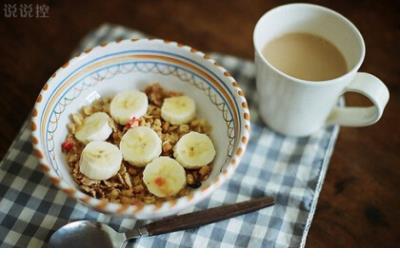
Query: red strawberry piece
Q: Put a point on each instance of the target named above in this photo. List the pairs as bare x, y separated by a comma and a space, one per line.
134, 122
67, 145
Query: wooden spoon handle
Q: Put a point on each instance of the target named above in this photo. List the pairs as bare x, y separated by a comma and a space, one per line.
196, 219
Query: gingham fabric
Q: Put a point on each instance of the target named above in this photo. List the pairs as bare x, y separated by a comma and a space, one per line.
290, 169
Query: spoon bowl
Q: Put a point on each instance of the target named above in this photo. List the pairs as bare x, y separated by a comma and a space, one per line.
86, 234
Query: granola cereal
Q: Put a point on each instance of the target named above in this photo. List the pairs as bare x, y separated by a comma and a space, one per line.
127, 185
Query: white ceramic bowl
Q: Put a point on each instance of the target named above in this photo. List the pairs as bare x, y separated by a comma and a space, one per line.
134, 64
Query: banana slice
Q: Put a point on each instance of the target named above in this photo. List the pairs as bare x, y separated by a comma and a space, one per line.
140, 145
127, 105
178, 110
95, 127
164, 177
194, 150
100, 160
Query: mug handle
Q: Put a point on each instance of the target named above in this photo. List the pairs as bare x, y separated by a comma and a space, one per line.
369, 86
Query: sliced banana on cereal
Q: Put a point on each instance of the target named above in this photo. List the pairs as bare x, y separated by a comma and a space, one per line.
100, 160
95, 127
194, 150
127, 105
178, 110
164, 177
140, 145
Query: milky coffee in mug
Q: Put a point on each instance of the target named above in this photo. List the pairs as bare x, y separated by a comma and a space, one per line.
306, 57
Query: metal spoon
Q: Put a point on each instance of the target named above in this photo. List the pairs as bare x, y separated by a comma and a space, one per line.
86, 233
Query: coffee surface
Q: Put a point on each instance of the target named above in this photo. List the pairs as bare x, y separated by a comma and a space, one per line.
305, 56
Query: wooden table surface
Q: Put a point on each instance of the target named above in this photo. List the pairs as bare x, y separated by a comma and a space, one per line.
359, 205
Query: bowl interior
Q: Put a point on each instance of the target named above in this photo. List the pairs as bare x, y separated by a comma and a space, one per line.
134, 65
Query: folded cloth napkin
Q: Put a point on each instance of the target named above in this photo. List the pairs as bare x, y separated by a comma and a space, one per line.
290, 169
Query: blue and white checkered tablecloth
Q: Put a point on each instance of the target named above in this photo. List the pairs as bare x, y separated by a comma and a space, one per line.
291, 169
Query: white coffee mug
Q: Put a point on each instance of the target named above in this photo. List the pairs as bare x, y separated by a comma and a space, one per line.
298, 107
